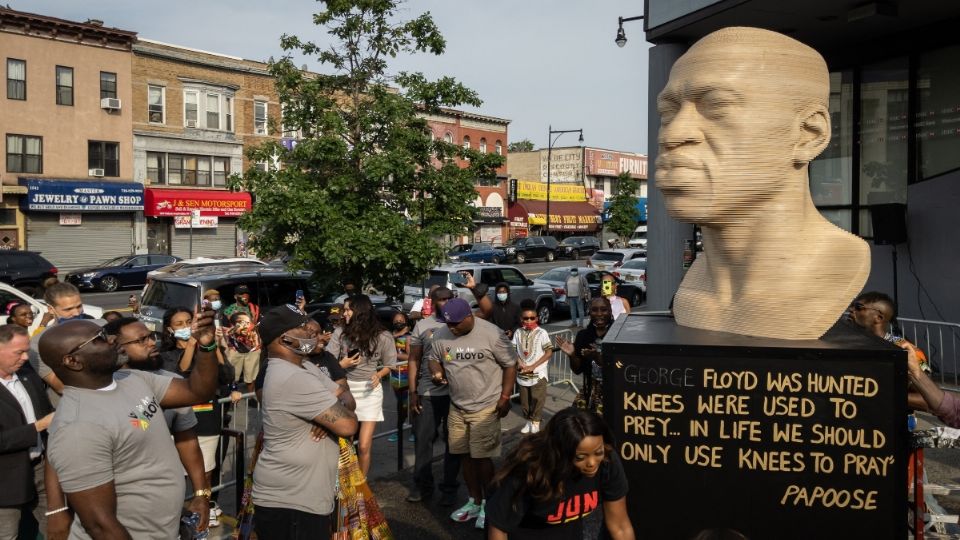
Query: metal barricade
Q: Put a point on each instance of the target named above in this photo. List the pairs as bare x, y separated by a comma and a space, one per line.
558, 368
940, 341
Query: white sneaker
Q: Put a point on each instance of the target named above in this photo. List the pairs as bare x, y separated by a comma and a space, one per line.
481, 517
534, 427
526, 428
466, 512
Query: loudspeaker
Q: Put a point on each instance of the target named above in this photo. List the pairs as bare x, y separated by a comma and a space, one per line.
889, 223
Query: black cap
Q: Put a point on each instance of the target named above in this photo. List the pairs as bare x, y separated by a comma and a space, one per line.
280, 320
240, 289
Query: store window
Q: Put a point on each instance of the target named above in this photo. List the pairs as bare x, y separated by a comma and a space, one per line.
104, 155
64, 85
260, 117
108, 85
155, 104
938, 112
16, 79
24, 154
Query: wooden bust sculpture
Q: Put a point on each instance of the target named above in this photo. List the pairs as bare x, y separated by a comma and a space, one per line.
742, 116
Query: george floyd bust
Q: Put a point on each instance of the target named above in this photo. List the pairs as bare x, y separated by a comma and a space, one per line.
742, 115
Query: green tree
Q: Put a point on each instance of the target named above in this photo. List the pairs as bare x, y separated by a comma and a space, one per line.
523, 145
623, 208
367, 191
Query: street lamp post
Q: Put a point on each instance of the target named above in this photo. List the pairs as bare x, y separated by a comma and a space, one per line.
550, 141
621, 39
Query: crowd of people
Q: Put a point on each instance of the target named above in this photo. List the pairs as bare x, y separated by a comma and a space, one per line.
87, 456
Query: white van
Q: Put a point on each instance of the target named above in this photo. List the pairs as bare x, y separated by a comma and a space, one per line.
639, 237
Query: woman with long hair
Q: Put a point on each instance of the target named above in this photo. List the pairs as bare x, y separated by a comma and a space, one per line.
367, 351
564, 482
586, 355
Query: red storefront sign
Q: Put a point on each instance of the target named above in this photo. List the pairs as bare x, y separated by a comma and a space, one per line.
172, 202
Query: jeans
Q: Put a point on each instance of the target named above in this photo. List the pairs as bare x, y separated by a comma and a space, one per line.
427, 427
576, 310
287, 524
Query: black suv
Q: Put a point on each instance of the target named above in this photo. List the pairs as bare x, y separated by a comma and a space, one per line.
575, 246
25, 270
522, 250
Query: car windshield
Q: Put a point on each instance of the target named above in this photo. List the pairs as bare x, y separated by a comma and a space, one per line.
608, 256
635, 264
519, 242
165, 295
556, 274
572, 241
461, 248
116, 261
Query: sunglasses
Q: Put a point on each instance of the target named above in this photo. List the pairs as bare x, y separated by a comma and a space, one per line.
142, 341
528, 318
860, 306
102, 334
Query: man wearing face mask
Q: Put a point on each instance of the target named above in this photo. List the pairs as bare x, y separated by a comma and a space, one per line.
294, 482
108, 445
63, 304
505, 314
577, 292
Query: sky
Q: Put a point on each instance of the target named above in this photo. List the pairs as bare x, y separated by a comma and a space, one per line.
538, 63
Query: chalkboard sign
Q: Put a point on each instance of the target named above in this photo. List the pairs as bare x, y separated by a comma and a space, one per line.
770, 439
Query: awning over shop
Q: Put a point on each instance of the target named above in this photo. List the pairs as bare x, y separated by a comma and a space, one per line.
174, 202
564, 215
641, 210
81, 196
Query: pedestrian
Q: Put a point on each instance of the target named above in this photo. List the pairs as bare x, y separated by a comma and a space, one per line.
112, 457
21, 315
111, 316
25, 414
578, 293
399, 374
534, 349
63, 305
429, 408
137, 350
243, 348
242, 304
423, 307
608, 289
474, 357
565, 482
586, 355
366, 350
505, 314
295, 479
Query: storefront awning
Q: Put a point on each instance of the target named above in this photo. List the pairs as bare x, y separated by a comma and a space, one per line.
564, 215
81, 196
177, 202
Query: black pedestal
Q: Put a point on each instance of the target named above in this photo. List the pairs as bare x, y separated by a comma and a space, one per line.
770, 438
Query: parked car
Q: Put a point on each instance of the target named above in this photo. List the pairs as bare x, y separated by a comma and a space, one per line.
270, 286
556, 279
521, 250
611, 259
521, 288
10, 295
118, 272
25, 270
576, 246
479, 252
634, 271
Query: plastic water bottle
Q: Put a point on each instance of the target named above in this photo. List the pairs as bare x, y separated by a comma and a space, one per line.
192, 520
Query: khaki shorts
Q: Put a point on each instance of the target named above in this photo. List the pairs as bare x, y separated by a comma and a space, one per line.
474, 433
245, 365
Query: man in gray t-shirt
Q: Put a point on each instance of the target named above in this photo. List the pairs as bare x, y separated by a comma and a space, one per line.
474, 357
109, 445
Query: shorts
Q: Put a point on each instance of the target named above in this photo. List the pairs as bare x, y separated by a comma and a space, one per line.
369, 400
208, 447
246, 365
474, 433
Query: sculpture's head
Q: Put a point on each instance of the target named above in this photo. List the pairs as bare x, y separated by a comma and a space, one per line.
744, 110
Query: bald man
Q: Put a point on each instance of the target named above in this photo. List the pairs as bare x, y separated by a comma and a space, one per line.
109, 444
744, 112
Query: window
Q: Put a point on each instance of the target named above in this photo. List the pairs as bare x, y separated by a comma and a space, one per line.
155, 105
498, 148
260, 117
938, 116
64, 85
483, 145
221, 168
213, 111
448, 137
190, 101
228, 112
466, 142
512, 277
108, 85
16, 79
175, 168
203, 171
24, 154
188, 170
104, 155
156, 171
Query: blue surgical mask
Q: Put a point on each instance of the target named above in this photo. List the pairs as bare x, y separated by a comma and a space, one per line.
216, 305
183, 334
76, 317
502, 296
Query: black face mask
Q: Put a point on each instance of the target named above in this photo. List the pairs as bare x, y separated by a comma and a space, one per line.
399, 326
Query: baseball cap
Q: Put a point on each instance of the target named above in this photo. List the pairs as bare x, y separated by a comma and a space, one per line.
240, 289
280, 320
212, 292
454, 311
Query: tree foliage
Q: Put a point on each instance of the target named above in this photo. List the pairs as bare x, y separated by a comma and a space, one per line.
623, 208
523, 145
367, 190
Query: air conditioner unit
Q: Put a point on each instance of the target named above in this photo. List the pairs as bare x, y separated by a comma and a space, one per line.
191, 123
96, 172
111, 104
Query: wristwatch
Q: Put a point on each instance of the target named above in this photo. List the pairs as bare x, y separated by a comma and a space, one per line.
203, 493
